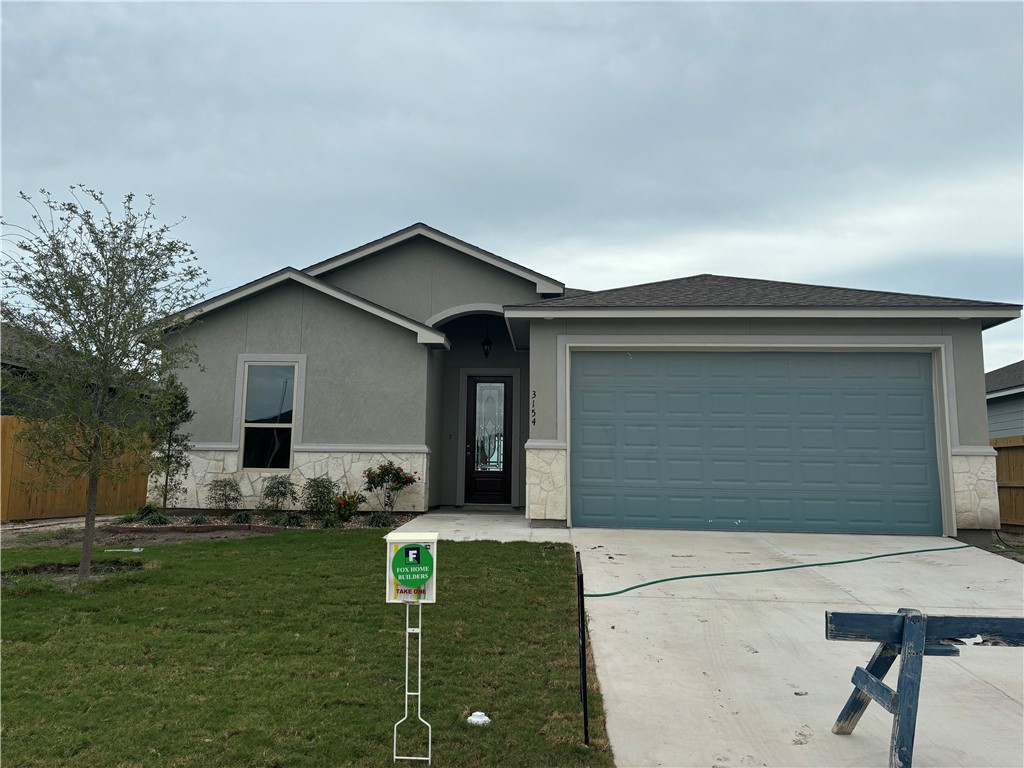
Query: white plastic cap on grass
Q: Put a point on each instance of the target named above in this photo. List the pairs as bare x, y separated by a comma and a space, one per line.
478, 718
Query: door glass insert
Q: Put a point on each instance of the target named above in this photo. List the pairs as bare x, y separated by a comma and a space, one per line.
489, 448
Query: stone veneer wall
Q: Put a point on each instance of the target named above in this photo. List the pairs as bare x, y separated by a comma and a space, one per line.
546, 484
345, 467
975, 494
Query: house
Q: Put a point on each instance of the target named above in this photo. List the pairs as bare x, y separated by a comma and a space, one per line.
703, 402
1004, 394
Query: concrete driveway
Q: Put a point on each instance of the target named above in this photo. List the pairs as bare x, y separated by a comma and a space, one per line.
735, 670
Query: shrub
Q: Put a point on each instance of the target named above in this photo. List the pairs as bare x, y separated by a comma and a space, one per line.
277, 491
387, 482
242, 518
197, 520
223, 493
148, 514
381, 519
330, 521
318, 495
347, 503
288, 518
127, 519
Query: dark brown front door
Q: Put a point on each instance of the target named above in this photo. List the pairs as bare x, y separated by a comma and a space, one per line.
489, 440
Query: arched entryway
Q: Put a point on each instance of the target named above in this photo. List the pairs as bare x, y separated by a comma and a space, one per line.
482, 408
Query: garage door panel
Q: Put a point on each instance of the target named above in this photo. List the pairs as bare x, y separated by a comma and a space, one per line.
770, 473
754, 441
683, 437
684, 471
644, 469
772, 439
911, 406
596, 402
594, 436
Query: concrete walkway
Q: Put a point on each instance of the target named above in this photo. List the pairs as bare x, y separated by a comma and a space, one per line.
735, 670
483, 524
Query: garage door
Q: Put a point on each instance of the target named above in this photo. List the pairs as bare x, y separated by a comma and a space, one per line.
763, 441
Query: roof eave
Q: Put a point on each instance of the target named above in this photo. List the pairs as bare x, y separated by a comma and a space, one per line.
990, 317
1004, 392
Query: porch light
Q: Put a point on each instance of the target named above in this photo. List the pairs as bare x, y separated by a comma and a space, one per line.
487, 344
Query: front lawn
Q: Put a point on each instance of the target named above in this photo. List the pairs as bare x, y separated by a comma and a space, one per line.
280, 651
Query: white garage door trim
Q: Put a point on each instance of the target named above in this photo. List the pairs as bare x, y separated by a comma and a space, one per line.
943, 387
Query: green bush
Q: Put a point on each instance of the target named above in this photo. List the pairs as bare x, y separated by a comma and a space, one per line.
288, 518
242, 518
330, 521
347, 503
197, 520
318, 496
223, 493
278, 491
387, 481
148, 514
381, 519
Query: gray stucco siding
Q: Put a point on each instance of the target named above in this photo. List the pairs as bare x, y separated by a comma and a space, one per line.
1006, 416
365, 377
434, 425
219, 339
420, 278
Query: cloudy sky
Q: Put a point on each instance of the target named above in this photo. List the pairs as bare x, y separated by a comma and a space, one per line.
866, 145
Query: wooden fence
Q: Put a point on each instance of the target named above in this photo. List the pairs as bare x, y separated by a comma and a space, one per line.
20, 501
1010, 477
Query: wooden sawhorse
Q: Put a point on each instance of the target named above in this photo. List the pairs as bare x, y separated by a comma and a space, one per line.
910, 635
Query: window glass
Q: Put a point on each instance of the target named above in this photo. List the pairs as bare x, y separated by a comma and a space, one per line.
269, 415
270, 394
267, 448
490, 420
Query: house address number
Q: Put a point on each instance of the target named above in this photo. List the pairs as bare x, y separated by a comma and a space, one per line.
533, 407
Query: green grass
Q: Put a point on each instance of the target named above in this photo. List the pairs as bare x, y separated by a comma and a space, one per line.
48, 534
280, 651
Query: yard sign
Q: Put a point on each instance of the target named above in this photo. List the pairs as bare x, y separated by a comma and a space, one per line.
411, 576
411, 567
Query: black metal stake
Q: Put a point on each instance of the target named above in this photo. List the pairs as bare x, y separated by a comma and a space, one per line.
581, 612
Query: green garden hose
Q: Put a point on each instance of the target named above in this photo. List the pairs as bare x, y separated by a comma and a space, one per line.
770, 570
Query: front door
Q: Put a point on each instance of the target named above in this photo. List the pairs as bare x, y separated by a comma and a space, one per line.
488, 440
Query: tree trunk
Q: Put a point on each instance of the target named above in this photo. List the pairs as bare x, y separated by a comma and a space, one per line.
90, 527
167, 474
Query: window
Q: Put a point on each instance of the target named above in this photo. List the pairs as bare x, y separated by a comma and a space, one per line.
268, 415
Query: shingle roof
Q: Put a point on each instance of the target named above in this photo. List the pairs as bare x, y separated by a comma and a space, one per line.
721, 291
1007, 377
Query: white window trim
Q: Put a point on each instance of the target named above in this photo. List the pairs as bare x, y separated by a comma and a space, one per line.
299, 361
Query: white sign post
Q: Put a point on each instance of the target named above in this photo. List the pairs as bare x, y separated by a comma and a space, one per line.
411, 578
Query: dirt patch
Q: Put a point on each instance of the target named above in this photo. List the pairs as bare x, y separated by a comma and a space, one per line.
1009, 544
61, 572
178, 531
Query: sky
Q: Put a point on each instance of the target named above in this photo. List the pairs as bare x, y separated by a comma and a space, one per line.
864, 145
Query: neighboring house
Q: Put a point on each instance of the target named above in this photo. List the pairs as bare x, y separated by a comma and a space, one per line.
704, 402
1004, 388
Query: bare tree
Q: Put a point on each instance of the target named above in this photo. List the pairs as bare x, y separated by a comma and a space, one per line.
90, 294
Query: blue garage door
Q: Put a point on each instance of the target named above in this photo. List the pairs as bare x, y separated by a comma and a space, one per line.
756, 441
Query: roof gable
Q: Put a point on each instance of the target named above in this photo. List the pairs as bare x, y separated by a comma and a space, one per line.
543, 283
424, 333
